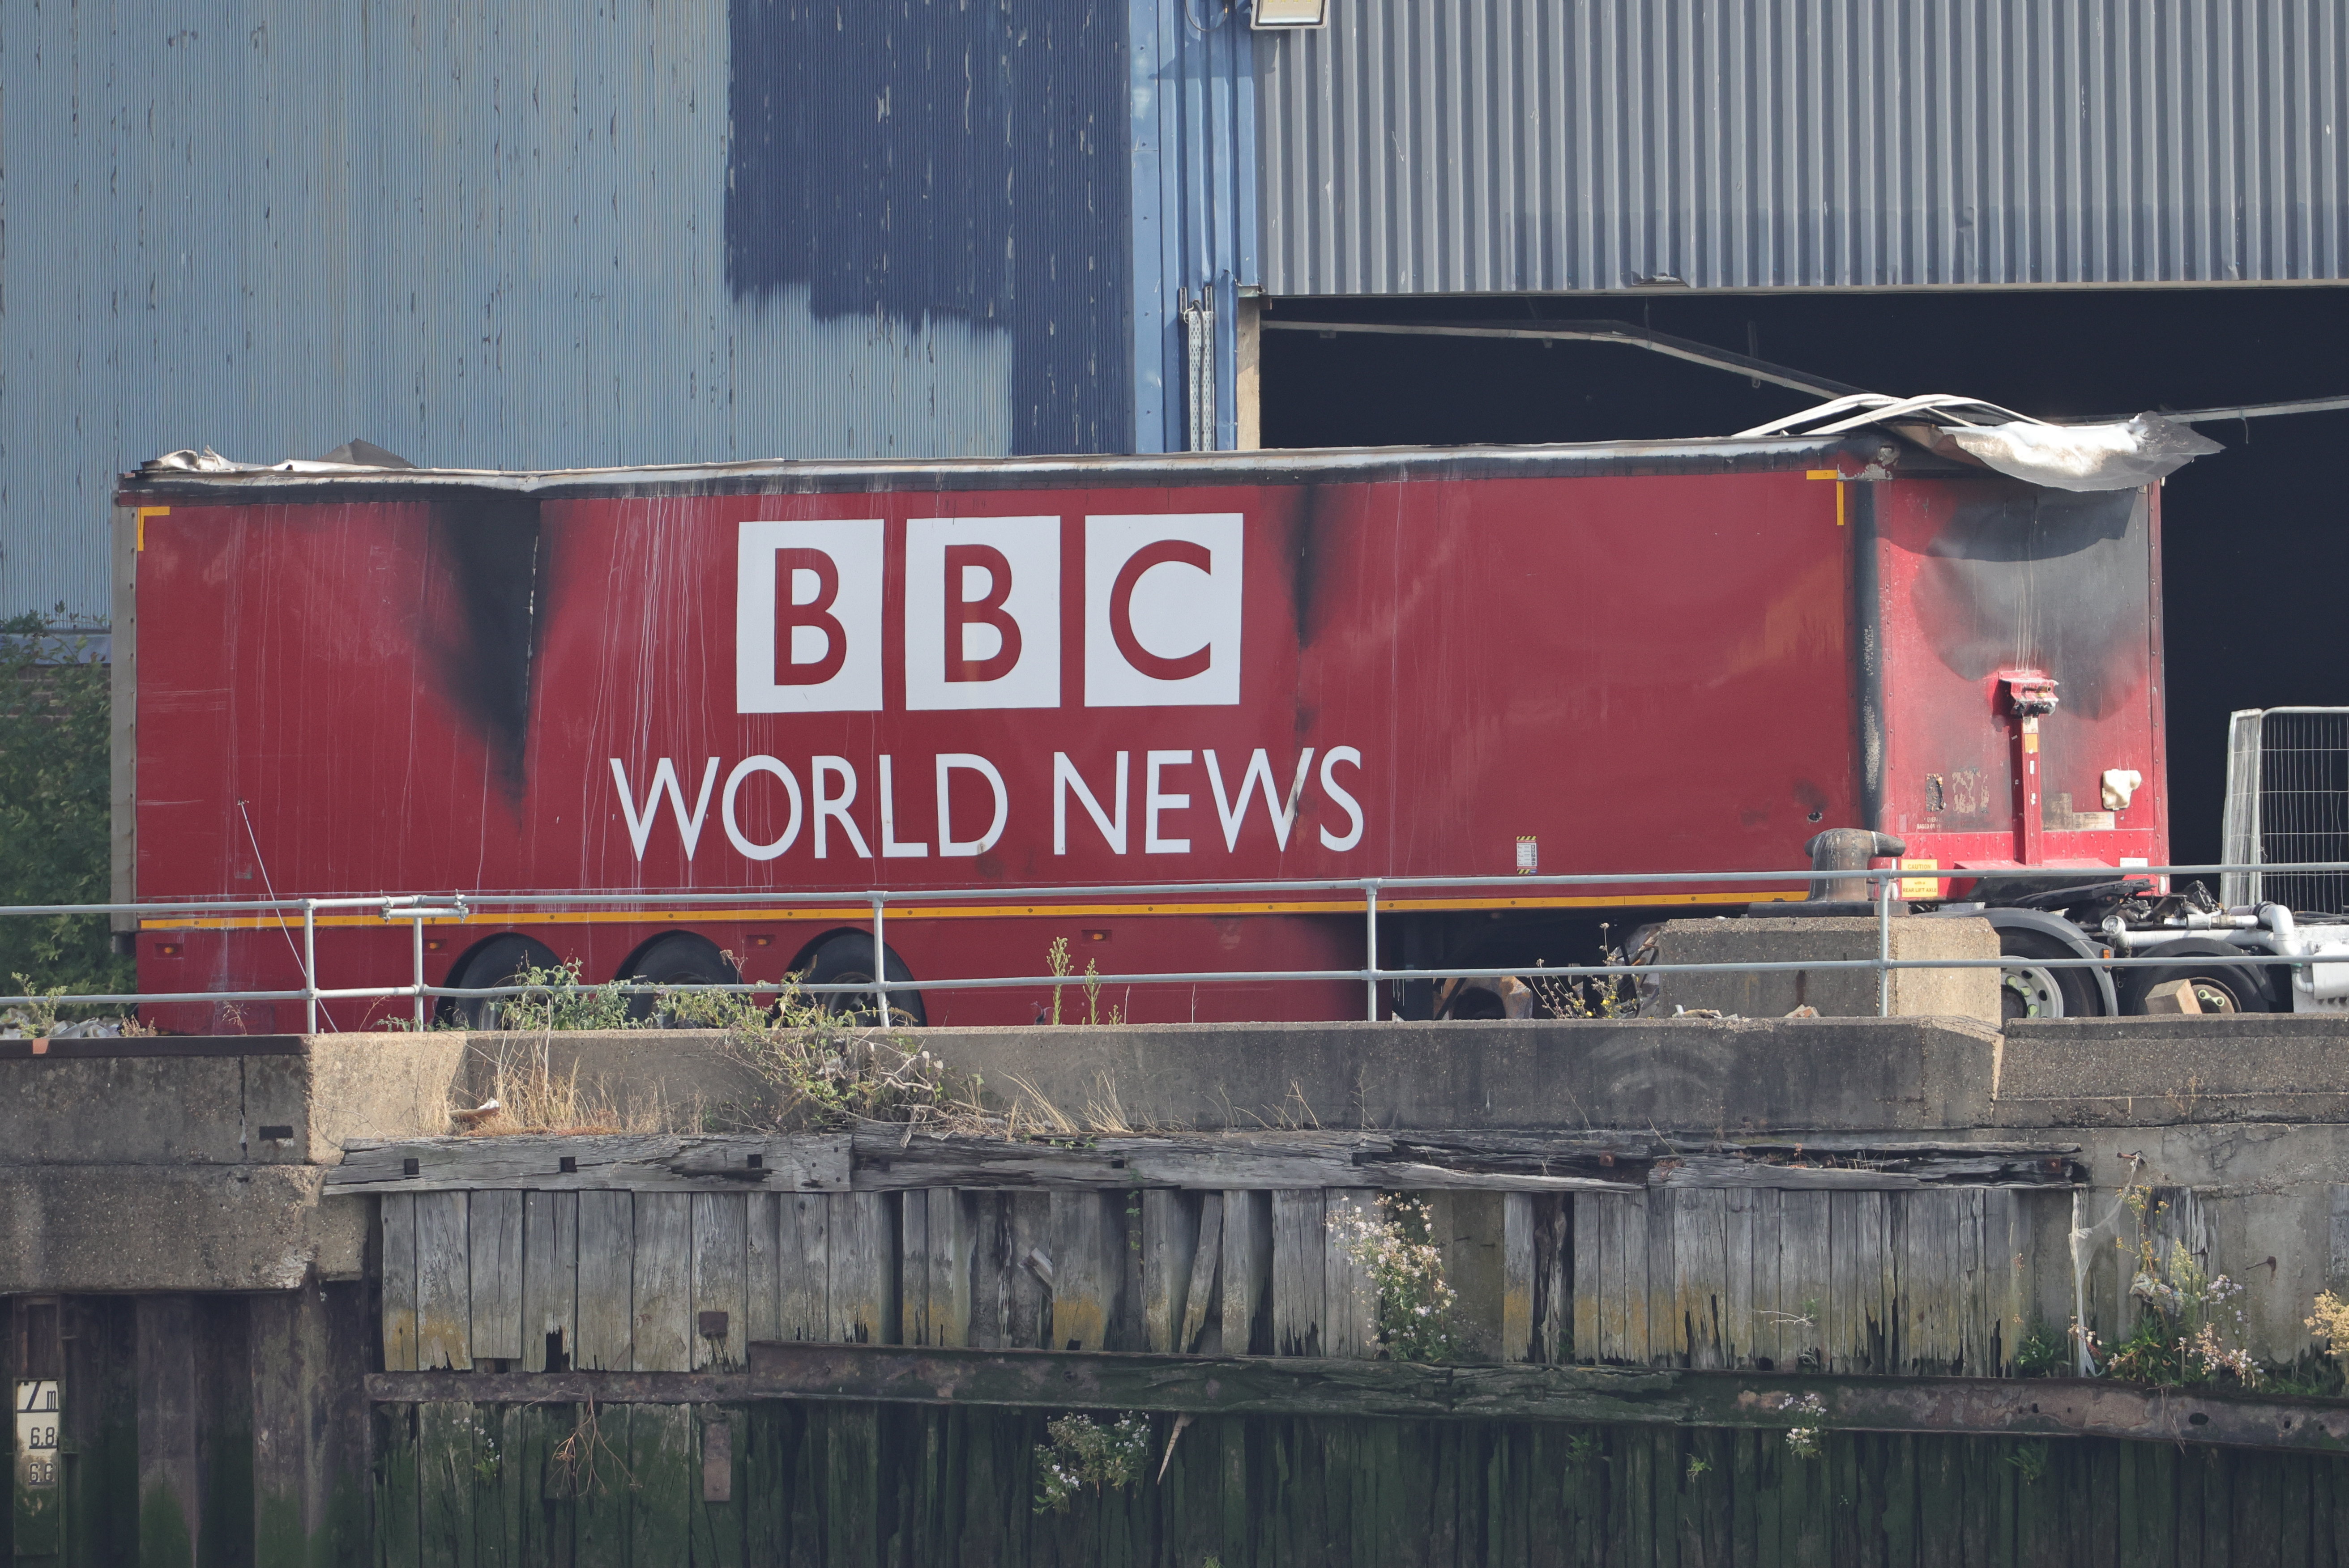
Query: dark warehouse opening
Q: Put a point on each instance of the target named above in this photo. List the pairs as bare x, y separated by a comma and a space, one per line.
2254, 552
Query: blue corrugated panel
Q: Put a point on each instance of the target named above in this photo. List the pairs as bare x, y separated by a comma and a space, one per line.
524, 234
1495, 144
1194, 104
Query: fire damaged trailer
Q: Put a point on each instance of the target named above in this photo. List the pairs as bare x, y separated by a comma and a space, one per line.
1084, 673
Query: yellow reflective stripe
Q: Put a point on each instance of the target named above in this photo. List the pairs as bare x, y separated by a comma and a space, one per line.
946, 912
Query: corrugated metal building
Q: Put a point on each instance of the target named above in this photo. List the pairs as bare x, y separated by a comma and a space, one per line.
525, 234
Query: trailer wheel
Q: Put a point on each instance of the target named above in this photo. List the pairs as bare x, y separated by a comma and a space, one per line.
2221, 987
680, 958
846, 958
499, 961
2028, 991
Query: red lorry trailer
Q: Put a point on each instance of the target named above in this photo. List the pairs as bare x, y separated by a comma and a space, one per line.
1078, 673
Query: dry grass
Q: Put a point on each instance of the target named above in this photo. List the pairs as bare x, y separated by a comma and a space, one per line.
1032, 1112
530, 1097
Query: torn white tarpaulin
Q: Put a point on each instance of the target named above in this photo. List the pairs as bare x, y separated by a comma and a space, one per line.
2115, 455
2086, 457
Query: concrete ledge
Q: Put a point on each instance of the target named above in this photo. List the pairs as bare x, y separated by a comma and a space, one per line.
1834, 992
176, 1107
2158, 1072
1695, 1075
255, 1227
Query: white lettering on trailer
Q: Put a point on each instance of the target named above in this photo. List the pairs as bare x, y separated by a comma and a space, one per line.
836, 806
1163, 611
1066, 778
982, 613
1155, 801
1346, 802
971, 762
640, 824
1258, 775
734, 834
891, 850
833, 791
807, 617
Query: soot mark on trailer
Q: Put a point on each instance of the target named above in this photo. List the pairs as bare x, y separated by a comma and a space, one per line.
915, 160
491, 545
2042, 578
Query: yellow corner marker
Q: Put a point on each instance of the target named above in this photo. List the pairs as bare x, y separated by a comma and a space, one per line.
144, 513
1829, 474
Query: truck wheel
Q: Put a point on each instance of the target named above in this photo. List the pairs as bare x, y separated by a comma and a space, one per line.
2221, 987
499, 961
847, 959
2028, 991
678, 959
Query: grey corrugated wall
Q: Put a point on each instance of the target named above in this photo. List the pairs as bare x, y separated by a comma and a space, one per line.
497, 234
1497, 145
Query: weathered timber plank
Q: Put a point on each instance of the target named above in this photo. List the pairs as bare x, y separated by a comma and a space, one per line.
447, 1450
1805, 1285
1839, 1335
1588, 1281
1170, 1236
1772, 1343
444, 1312
721, 1232
1247, 1273
1300, 1252
1701, 1260
1087, 1268
607, 1299
663, 1478
661, 1325
1028, 1287
913, 1265
1868, 1303
550, 1279
763, 1265
863, 1252
1737, 1324
803, 1265
1518, 1277
600, 1515
2036, 1406
1351, 1320
887, 1160
397, 1219
396, 1504
1553, 1276
1200, 1293
1717, 1170
495, 1260
952, 1233
2003, 1248
1667, 1329
633, 1162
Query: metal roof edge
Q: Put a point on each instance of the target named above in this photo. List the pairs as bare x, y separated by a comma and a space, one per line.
1285, 466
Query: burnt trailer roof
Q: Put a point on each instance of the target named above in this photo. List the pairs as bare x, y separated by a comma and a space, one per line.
205, 477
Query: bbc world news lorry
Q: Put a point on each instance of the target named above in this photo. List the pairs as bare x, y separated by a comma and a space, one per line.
617, 713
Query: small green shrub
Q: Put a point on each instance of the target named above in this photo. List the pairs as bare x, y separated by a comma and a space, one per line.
1418, 1310
1106, 1456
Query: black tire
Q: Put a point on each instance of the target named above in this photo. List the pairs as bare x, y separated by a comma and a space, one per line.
497, 961
846, 958
2221, 986
680, 958
2035, 993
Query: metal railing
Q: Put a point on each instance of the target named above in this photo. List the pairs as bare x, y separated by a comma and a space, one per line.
506, 909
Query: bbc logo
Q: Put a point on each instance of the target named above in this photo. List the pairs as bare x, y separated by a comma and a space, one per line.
985, 612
